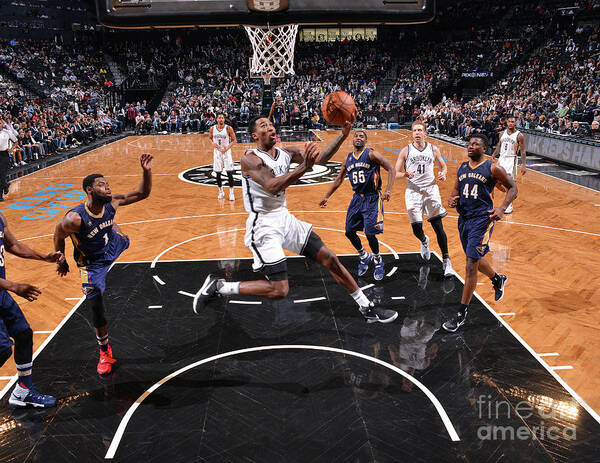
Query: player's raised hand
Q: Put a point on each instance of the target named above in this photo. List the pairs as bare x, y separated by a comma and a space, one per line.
453, 201
348, 126
311, 153
496, 214
54, 257
146, 161
62, 267
442, 176
323, 202
27, 291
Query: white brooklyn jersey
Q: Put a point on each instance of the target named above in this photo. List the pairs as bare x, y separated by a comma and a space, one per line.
508, 142
421, 164
256, 198
221, 137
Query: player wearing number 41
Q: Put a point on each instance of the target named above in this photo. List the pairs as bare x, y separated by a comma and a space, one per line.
472, 197
365, 211
422, 195
97, 243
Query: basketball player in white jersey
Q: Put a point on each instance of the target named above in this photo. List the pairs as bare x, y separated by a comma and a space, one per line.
270, 228
511, 142
223, 138
422, 195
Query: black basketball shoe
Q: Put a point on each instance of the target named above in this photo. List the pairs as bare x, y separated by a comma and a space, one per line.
499, 287
455, 322
374, 314
207, 291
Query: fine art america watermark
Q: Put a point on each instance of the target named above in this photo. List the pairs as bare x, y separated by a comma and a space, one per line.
547, 429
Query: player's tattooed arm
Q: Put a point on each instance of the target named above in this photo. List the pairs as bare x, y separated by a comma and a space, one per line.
336, 184
71, 223
253, 167
143, 190
401, 165
441, 163
334, 146
511, 194
453, 199
16, 247
391, 170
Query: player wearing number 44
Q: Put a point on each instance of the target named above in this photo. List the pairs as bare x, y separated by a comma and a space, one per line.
97, 243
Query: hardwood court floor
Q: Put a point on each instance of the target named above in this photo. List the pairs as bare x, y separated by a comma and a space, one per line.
549, 247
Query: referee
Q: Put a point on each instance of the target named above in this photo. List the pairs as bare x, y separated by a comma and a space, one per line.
6, 136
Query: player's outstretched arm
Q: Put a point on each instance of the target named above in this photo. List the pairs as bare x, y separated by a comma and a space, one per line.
253, 167
441, 164
496, 150
16, 247
511, 194
391, 170
401, 165
71, 223
334, 146
143, 190
336, 184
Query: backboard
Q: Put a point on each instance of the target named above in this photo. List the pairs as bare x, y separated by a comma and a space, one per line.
207, 13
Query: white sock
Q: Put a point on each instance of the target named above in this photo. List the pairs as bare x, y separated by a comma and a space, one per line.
377, 257
228, 287
362, 253
360, 298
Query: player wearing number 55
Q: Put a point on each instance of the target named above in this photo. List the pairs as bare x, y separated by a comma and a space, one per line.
97, 243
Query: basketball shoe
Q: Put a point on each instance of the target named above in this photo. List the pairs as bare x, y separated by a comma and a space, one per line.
22, 397
231, 195
499, 287
363, 264
455, 322
206, 291
425, 252
447, 266
105, 364
374, 314
379, 272
221, 194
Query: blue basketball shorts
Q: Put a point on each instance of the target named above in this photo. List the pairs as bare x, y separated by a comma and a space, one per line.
93, 275
365, 212
475, 235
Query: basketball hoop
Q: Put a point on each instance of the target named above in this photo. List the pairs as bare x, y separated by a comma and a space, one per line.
267, 79
273, 50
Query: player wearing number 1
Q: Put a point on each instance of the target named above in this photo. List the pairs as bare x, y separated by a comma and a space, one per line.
97, 243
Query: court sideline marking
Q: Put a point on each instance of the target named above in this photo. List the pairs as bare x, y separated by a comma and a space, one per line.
531, 351
123, 424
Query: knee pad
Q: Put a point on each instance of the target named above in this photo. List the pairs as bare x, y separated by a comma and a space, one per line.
96, 305
5, 355
23, 346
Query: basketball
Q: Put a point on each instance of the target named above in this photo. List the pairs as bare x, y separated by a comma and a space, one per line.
338, 107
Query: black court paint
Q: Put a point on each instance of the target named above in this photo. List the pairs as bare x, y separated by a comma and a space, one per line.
296, 406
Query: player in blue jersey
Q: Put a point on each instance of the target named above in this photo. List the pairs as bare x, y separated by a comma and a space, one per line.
472, 197
13, 323
97, 243
365, 211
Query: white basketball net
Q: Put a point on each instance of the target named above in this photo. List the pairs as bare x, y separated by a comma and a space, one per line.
273, 49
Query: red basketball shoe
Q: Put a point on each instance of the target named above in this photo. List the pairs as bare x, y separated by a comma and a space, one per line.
105, 364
